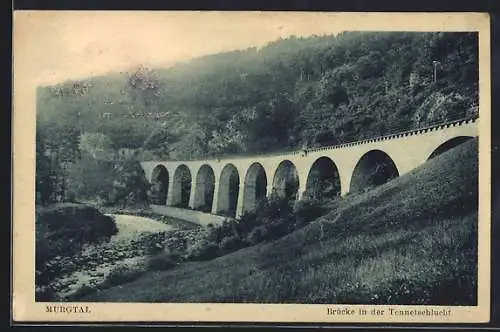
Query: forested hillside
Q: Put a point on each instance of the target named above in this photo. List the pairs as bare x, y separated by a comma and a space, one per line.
292, 93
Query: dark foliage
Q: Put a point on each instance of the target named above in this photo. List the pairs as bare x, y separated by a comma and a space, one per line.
274, 218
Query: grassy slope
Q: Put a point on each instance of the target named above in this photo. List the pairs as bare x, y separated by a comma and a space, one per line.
412, 240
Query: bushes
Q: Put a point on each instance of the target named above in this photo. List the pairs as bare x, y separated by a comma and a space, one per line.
273, 218
45, 294
257, 235
308, 210
160, 262
121, 275
231, 243
202, 249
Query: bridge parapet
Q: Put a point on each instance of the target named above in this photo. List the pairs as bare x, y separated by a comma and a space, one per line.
295, 152
412, 132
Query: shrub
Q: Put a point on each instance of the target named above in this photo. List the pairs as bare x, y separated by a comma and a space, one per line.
45, 294
257, 235
227, 228
121, 275
306, 210
280, 227
84, 290
203, 250
176, 256
231, 243
161, 262
272, 219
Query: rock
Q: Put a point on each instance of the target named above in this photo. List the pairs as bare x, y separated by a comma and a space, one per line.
92, 264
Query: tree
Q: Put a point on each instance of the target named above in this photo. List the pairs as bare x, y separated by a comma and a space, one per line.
144, 89
91, 179
160, 142
96, 145
45, 182
130, 186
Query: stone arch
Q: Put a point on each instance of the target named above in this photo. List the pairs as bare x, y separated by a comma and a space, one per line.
181, 189
323, 180
286, 180
255, 187
373, 169
205, 185
449, 144
229, 185
159, 185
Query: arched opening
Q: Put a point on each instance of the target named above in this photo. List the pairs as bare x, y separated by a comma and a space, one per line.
373, 169
286, 180
450, 144
229, 186
323, 181
159, 185
255, 187
181, 187
205, 185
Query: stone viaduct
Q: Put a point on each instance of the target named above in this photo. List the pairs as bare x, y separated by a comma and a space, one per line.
233, 185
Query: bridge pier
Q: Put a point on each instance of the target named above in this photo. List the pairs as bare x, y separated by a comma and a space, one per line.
215, 201
239, 204
171, 199
302, 191
344, 186
345, 175
201, 189
269, 189
192, 195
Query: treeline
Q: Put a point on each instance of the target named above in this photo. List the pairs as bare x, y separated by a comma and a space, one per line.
292, 93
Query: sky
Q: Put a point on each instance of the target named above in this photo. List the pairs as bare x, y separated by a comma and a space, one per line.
58, 46
54, 46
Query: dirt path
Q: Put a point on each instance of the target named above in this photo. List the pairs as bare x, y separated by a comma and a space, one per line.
130, 228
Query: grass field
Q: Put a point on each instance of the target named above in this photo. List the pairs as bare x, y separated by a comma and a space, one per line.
410, 241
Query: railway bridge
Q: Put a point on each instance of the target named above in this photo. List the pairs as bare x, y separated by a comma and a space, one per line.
233, 185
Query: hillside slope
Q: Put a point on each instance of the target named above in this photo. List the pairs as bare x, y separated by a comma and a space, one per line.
410, 241
313, 91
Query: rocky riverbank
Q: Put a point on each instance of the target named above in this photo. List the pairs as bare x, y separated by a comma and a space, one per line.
137, 239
